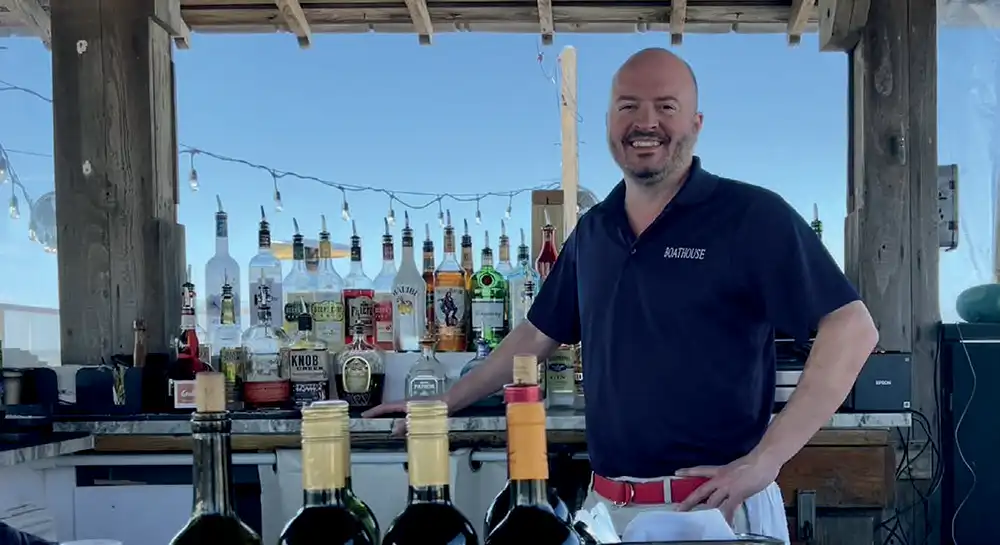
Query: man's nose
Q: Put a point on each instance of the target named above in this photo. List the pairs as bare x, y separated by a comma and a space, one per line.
646, 118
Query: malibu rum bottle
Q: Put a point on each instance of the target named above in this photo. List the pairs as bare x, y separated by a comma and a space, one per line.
409, 297
213, 519
450, 296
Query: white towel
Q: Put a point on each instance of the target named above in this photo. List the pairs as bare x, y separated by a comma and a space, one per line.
707, 524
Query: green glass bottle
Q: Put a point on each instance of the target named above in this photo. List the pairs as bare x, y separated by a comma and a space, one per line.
489, 298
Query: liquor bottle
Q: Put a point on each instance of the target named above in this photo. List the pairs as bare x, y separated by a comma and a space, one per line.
383, 293
816, 224
190, 344
409, 297
264, 262
428, 377
450, 296
527, 508
429, 518
308, 364
521, 286
232, 357
213, 517
483, 350
298, 285
470, 268
503, 258
330, 512
219, 268
359, 294
560, 383
547, 254
489, 294
359, 373
428, 275
266, 382
328, 309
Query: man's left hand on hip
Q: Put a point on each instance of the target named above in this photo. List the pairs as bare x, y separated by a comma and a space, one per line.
729, 485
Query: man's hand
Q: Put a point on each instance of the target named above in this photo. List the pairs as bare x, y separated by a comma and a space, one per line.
729, 485
399, 426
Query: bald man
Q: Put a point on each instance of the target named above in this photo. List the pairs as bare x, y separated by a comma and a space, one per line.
674, 285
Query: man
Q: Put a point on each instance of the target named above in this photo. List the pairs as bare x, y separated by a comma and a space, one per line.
675, 284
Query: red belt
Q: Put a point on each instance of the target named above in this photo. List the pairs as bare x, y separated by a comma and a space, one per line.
670, 490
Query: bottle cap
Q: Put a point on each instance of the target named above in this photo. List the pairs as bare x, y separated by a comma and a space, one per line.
325, 420
426, 417
525, 370
210, 392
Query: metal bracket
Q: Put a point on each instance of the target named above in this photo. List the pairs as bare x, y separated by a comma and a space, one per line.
947, 206
805, 519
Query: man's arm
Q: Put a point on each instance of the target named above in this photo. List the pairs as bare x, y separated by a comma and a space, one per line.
843, 343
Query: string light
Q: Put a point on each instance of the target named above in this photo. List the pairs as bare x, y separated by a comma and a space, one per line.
479, 215
390, 217
440, 213
193, 176
278, 205
510, 205
41, 213
345, 210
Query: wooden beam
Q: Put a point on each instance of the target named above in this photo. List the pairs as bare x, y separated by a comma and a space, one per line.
296, 20
678, 16
570, 144
32, 15
546, 22
798, 18
167, 14
113, 117
421, 18
841, 23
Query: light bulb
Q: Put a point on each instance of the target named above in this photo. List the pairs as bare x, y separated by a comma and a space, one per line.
345, 211
15, 211
391, 216
193, 180
278, 205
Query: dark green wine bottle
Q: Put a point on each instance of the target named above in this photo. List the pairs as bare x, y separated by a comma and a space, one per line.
213, 519
429, 518
331, 514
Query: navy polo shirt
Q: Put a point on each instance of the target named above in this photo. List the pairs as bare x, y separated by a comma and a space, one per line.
678, 324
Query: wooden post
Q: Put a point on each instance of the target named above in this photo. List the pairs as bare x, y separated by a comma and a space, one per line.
570, 144
891, 231
120, 248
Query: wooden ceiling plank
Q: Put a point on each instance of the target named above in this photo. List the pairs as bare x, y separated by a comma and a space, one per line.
421, 18
32, 15
168, 16
295, 18
546, 21
798, 18
678, 16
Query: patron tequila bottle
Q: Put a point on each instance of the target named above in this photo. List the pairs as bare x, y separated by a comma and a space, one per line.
266, 382
409, 297
308, 364
359, 373
383, 293
521, 286
428, 275
264, 262
503, 259
298, 285
232, 357
450, 296
328, 310
428, 377
489, 293
359, 294
219, 268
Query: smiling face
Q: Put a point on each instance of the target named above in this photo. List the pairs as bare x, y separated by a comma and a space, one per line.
653, 121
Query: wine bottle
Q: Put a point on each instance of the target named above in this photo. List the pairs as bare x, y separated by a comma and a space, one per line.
213, 519
531, 518
525, 389
429, 517
331, 514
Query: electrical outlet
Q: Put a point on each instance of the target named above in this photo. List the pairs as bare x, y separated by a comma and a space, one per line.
947, 207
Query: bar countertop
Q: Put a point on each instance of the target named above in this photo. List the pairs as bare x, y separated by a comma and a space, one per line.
32, 447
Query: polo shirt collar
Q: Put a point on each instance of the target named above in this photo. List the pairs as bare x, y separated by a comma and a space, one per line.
697, 188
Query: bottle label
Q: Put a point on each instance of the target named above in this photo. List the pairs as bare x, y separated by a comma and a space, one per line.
307, 365
232, 363
304, 394
270, 392
263, 367
521, 298
487, 314
357, 377
359, 304
527, 456
409, 323
293, 307
274, 290
383, 320
422, 386
449, 309
559, 372
221, 225
328, 317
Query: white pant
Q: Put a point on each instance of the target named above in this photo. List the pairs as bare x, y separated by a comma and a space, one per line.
763, 513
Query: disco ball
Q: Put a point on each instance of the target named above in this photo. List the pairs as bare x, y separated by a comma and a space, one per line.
42, 225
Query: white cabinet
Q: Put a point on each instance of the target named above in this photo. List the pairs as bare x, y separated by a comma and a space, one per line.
134, 515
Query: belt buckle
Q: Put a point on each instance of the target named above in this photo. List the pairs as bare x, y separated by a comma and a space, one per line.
629, 495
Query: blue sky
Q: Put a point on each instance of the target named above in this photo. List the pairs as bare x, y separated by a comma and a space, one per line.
476, 113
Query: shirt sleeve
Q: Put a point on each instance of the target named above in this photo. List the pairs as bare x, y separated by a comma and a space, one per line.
556, 309
797, 279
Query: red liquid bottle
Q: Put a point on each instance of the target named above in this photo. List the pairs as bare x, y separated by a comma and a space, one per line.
547, 254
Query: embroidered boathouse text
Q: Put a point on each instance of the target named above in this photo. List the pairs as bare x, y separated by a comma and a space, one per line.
683, 253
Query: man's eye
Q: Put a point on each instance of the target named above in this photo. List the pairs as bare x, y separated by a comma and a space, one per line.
625, 107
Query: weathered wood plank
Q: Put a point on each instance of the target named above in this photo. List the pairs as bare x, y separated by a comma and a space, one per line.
841, 23
842, 477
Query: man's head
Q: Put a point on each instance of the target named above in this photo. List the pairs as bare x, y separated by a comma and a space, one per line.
653, 119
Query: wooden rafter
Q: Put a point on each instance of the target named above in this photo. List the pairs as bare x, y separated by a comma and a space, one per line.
32, 15
678, 15
546, 22
798, 18
296, 20
168, 16
421, 18
841, 23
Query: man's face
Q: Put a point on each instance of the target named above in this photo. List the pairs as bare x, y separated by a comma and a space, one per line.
653, 122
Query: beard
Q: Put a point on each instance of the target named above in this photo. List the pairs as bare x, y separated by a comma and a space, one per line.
648, 176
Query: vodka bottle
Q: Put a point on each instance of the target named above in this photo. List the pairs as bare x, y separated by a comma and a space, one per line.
383, 293
522, 284
298, 286
409, 298
219, 268
328, 310
264, 262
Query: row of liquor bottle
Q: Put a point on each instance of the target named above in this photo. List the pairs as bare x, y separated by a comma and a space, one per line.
527, 510
396, 307
266, 368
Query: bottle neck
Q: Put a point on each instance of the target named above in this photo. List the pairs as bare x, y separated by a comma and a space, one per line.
264, 240
529, 493
504, 251
408, 258
449, 243
487, 259
529, 470
523, 257
324, 471
210, 434
429, 261
429, 469
298, 258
